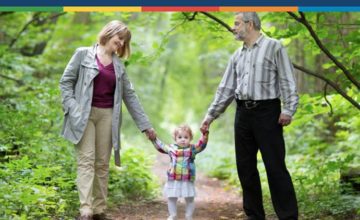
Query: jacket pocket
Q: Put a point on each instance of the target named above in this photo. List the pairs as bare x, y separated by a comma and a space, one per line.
66, 110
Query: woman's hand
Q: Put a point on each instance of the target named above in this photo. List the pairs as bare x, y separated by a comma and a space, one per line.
151, 134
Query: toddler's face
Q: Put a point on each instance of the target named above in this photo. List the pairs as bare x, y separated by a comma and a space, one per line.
182, 139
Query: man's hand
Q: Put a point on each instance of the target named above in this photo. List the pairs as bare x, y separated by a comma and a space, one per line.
151, 134
205, 125
284, 119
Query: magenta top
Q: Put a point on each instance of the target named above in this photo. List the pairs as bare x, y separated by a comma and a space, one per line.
104, 86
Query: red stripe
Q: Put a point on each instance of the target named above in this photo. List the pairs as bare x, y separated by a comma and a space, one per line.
183, 9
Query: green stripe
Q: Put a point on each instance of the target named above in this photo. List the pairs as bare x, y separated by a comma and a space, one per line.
44, 9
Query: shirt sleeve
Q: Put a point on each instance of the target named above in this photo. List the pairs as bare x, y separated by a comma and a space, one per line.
201, 145
160, 146
288, 89
225, 92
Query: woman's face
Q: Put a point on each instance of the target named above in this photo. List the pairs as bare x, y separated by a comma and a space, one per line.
115, 43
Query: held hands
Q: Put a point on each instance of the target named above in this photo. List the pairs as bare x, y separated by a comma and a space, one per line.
284, 119
205, 125
150, 134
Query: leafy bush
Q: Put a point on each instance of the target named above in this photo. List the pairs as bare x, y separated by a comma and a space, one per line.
133, 180
319, 147
38, 167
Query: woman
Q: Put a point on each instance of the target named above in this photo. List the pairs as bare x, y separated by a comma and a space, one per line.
93, 86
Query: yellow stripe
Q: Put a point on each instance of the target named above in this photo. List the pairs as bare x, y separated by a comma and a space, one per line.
263, 9
102, 9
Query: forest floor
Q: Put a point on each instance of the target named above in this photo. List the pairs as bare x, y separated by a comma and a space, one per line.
212, 201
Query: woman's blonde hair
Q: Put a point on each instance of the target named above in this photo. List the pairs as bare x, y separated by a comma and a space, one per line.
184, 128
113, 28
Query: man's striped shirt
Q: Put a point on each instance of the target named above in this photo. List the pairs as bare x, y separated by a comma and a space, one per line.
261, 72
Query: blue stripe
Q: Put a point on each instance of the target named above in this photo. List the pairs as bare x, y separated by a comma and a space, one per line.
329, 9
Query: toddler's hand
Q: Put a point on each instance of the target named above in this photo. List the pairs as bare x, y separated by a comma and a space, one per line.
204, 126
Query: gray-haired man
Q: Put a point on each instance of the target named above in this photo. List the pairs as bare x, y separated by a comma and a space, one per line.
257, 75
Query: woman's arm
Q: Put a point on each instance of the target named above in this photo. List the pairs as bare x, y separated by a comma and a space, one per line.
133, 105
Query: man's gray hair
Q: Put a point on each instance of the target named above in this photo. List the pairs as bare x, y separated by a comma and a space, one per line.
251, 16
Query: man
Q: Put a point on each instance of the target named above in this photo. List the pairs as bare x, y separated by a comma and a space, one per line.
258, 74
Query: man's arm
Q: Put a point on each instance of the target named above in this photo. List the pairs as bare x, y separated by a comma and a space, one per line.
288, 90
224, 95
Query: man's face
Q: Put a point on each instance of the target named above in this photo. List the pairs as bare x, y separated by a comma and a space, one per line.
241, 28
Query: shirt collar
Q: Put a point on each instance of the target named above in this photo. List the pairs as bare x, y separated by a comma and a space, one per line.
179, 147
257, 43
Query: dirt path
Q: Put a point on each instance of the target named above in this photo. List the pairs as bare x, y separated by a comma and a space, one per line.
212, 201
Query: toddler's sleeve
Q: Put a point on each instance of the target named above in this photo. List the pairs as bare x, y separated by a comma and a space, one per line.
160, 146
201, 145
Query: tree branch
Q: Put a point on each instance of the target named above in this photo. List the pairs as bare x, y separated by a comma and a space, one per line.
190, 18
308, 26
331, 83
19, 82
34, 19
302, 69
13, 41
3, 13
218, 21
327, 101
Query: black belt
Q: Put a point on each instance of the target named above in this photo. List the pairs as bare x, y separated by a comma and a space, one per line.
251, 104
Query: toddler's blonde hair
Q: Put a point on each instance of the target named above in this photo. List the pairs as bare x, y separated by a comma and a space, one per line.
185, 128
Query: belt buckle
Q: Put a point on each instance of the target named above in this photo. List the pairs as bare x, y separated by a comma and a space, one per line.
251, 104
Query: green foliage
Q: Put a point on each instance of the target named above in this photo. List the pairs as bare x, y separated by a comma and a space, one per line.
37, 174
337, 138
133, 180
37, 169
318, 186
175, 68
338, 32
320, 146
34, 191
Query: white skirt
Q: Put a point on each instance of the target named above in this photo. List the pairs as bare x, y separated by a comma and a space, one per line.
179, 189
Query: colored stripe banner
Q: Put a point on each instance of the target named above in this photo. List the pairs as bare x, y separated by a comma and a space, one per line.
102, 9
180, 9
161, 5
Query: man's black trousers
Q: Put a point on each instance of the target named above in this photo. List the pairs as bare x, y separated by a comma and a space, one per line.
257, 128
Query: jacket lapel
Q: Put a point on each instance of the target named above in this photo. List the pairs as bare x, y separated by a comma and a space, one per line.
119, 69
89, 61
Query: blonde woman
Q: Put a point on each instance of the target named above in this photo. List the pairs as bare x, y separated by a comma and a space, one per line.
93, 87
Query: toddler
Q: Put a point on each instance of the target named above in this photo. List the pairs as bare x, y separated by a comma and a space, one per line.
181, 172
